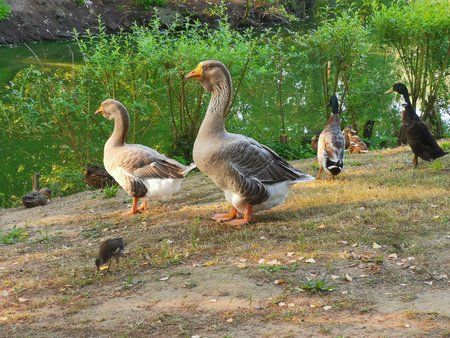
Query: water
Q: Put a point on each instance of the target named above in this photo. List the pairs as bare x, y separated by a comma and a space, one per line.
60, 54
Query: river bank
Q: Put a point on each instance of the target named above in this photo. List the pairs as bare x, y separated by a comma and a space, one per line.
57, 20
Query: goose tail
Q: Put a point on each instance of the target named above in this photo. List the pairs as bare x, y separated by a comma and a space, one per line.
188, 169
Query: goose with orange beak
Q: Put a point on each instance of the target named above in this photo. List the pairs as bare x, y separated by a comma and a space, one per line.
252, 176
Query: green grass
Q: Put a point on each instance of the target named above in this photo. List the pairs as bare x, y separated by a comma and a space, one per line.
111, 191
5, 10
15, 235
317, 285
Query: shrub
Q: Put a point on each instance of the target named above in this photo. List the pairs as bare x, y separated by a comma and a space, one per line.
5, 10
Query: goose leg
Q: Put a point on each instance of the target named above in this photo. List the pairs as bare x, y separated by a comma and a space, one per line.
226, 217
415, 161
134, 208
144, 205
248, 216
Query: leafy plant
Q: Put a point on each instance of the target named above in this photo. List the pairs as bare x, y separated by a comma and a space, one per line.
15, 235
147, 4
317, 285
111, 191
5, 10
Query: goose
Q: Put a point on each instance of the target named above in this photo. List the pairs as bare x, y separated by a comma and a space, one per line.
418, 136
353, 142
141, 171
252, 176
330, 150
36, 198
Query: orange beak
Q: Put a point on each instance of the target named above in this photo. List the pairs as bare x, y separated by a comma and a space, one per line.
196, 73
99, 110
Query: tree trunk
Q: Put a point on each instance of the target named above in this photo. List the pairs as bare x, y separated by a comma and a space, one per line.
368, 129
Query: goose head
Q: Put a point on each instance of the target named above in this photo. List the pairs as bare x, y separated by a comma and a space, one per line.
110, 108
399, 88
210, 74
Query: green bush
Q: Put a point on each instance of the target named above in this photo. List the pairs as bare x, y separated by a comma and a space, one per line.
147, 4
5, 10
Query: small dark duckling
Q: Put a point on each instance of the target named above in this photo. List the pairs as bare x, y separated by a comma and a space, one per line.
97, 177
110, 248
36, 198
418, 136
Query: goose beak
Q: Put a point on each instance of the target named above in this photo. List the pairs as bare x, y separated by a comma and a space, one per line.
389, 91
99, 110
196, 73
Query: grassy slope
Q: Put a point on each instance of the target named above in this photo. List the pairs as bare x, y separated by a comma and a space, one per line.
216, 285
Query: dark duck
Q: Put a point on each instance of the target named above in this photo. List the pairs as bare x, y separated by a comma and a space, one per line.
36, 198
418, 136
330, 149
109, 249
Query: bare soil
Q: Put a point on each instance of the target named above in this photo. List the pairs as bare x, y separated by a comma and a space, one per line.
378, 234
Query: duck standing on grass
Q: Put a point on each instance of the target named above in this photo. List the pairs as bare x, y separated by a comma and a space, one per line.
330, 150
141, 171
418, 136
353, 142
252, 176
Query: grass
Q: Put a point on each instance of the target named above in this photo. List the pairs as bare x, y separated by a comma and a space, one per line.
382, 199
317, 285
111, 191
15, 235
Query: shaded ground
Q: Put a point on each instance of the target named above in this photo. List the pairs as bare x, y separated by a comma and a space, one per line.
378, 234
57, 19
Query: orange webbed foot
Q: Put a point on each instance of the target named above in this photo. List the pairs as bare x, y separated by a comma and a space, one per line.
225, 217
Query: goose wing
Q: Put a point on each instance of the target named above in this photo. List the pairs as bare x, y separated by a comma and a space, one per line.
252, 165
144, 163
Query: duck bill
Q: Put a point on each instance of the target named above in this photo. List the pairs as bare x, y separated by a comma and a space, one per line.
389, 91
196, 73
99, 111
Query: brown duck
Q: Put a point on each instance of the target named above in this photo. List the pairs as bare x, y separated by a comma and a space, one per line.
97, 177
109, 249
418, 136
36, 198
252, 176
353, 142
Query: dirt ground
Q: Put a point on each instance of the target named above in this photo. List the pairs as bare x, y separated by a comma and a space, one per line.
378, 236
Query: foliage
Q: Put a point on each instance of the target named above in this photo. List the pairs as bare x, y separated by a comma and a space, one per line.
15, 235
417, 33
111, 191
5, 10
146, 4
317, 285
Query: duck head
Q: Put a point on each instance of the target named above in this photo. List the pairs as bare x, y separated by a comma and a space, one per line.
211, 74
399, 88
334, 104
47, 192
110, 108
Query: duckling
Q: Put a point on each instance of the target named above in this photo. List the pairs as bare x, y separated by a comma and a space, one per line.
98, 177
110, 248
353, 142
36, 198
330, 152
418, 136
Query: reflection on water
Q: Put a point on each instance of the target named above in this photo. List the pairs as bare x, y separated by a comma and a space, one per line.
58, 54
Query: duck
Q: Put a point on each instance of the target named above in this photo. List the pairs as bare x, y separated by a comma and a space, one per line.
252, 176
109, 249
315, 141
353, 142
141, 171
36, 198
97, 177
330, 150
418, 136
